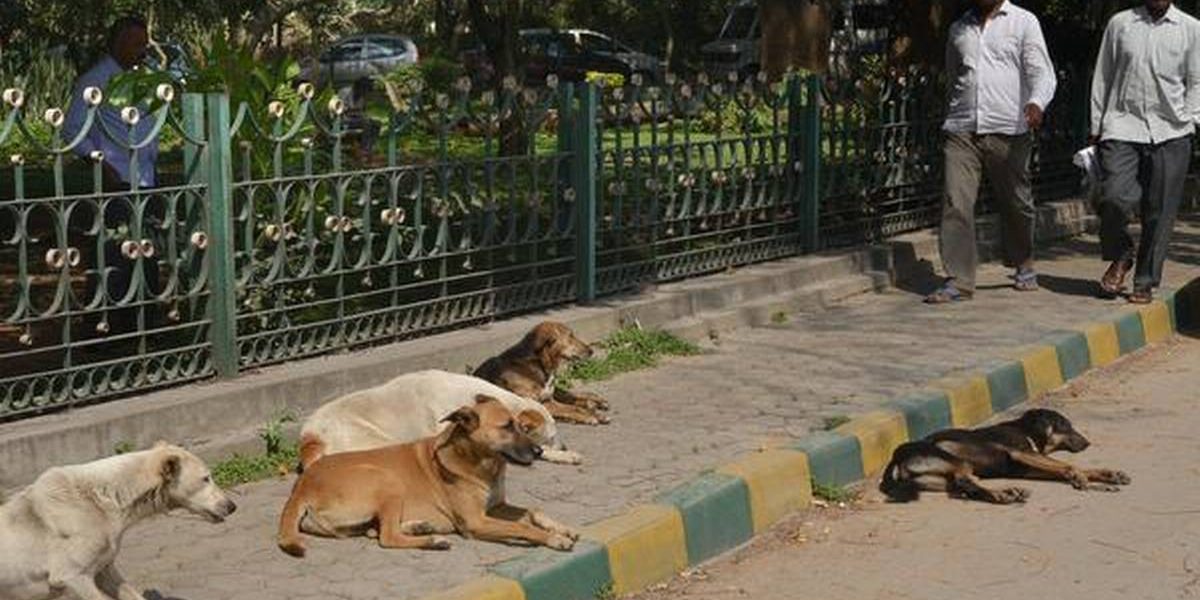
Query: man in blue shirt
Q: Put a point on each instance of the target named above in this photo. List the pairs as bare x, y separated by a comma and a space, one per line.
127, 42
108, 140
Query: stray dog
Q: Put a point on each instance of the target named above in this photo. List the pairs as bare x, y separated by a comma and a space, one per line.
63, 532
954, 460
411, 407
405, 493
528, 370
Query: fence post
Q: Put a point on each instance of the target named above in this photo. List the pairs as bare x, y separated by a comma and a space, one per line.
583, 182
222, 302
812, 157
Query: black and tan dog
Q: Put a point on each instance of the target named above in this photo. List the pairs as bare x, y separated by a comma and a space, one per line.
528, 369
954, 460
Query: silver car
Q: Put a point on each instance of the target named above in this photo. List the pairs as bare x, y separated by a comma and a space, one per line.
363, 56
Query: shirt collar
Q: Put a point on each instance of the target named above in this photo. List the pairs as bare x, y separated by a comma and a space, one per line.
1001, 10
1171, 16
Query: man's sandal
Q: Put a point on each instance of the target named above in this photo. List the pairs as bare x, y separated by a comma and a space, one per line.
1141, 296
1113, 281
1025, 280
947, 293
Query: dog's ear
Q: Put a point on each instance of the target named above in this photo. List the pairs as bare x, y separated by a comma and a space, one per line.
530, 420
545, 338
465, 417
160, 444
169, 470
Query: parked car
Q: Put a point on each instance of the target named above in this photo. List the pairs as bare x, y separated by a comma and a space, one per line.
571, 54
363, 56
736, 49
859, 27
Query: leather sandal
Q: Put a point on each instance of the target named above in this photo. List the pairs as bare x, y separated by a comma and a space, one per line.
1113, 281
1141, 296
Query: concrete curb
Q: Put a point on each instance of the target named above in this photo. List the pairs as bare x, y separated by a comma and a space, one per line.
725, 507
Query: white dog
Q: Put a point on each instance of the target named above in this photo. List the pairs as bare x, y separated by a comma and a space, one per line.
411, 407
63, 532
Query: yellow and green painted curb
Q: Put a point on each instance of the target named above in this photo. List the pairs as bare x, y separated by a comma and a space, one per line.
725, 507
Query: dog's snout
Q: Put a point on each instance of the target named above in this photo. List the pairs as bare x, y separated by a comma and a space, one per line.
228, 507
537, 451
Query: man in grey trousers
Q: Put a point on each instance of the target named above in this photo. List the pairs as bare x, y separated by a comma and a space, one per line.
1145, 103
1001, 80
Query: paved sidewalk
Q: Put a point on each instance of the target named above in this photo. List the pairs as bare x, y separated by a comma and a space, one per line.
753, 386
1140, 543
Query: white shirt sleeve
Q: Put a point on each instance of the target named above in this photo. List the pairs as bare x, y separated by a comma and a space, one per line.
1040, 78
1102, 78
1192, 66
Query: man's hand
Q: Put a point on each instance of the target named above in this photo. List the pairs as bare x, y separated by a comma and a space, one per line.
1033, 116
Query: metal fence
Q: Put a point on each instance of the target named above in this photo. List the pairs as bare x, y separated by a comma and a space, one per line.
305, 227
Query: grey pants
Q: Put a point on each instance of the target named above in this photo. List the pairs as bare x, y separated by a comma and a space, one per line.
1006, 160
1148, 179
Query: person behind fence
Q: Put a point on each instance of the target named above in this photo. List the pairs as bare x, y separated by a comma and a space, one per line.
1000, 80
127, 42
1145, 103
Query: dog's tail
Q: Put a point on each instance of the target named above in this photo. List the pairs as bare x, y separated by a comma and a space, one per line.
311, 449
894, 484
289, 538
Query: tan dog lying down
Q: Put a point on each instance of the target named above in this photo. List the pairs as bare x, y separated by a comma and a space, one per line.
449, 483
63, 532
411, 407
528, 369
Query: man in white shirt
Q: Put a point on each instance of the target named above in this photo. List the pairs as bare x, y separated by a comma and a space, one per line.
1000, 81
1145, 104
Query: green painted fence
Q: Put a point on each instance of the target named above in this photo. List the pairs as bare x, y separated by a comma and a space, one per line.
305, 227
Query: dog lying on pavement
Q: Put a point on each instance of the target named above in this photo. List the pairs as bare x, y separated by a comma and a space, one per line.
449, 483
63, 532
954, 460
411, 407
528, 369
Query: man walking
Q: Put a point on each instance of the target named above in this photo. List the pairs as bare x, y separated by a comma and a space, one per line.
1001, 80
1145, 102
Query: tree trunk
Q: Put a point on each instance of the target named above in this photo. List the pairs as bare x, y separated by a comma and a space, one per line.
795, 34
497, 29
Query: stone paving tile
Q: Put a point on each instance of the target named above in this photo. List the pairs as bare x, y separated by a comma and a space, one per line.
770, 383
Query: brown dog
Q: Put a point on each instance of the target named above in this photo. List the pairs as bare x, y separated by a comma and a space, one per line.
449, 483
954, 460
528, 370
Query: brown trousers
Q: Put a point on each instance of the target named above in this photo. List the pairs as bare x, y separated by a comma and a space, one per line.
1005, 159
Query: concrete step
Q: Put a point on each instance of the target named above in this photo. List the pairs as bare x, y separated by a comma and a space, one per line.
770, 309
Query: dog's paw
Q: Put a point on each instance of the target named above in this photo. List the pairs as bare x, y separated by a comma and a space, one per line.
1113, 477
1014, 495
417, 528
437, 542
592, 401
1104, 487
1078, 480
562, 457
560, 542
